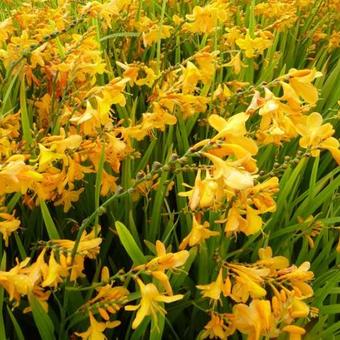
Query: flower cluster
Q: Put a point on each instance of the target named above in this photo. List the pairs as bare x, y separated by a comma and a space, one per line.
268, 297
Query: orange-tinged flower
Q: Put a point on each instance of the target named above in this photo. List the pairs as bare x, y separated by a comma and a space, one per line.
164, 260
206, 19
53, 273
24, 279
214, 289
16, 176
261, 195
96, 329
150, 303
88, 244
216, 328
47, 157
236, 63
235, 221
298, 309
313, 133
301, 82
253, 47
207, 65
295, 332
267, 259
138, 74
232, 176
68, 197
8, 224
333, 146
190, 78
205, 193
222, 93
157, 119
198, 234
108, 300
255, 320
301, 273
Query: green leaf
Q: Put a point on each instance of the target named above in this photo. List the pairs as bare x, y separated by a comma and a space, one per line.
153, 229
157, 326
50, 226
99, 177
2, 323
42, 320
25, 123
18, 331
13, 201
130, 244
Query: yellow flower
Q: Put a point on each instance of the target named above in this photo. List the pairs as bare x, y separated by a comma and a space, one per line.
255, 320
295, 332
68, 197
250, 224
108, 300
8, 224
152, 31
316, 136
255, 46
198, 234
245, 287
277, 122
24, 279
233, 132
157, 119
16, 176
240, 153
88, 244
46, 157
301, 82
232, 176
206, 19
298, 309
190, 78
214, 289
53, 273
150, 303
164, 260
216, 328
248, 282
236, 63
261, 195
207, 65
138, 74
267, 259
96, 329
205, 193
233, 127
302, 272
333, 146
222, 93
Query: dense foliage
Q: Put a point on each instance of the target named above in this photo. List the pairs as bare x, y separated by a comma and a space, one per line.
169, 169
